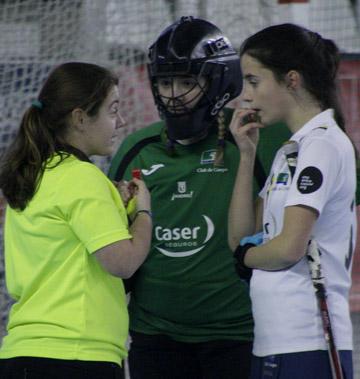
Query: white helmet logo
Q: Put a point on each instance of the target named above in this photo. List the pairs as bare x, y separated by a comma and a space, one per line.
219, 104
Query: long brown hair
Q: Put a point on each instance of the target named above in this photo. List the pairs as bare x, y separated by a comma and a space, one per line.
40, 135
286, 47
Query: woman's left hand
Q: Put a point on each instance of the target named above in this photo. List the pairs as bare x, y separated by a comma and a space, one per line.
246, 135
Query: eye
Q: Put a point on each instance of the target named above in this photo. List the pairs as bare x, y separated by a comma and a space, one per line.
164, 82
188, 83
114, 109
252, 80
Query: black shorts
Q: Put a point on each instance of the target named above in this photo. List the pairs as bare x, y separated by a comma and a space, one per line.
48, 368
160, 357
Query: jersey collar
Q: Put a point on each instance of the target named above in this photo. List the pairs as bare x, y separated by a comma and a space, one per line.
324, 119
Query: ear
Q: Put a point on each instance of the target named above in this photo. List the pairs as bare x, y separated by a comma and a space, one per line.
292, 80
78, 118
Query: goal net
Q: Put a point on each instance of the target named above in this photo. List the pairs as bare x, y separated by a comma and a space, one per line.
36, 35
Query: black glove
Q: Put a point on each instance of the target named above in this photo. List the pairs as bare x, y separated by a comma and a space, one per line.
243, 271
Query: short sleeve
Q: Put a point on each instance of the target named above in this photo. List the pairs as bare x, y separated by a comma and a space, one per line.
93, 207
317, 174
263, 190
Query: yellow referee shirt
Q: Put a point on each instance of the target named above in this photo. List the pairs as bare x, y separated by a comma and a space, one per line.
67, 306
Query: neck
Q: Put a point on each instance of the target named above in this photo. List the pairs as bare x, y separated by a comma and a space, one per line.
301, 116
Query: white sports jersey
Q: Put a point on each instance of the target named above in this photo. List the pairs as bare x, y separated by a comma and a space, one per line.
286, 313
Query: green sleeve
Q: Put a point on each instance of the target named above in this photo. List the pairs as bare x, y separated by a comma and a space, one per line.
271, 139
128, 154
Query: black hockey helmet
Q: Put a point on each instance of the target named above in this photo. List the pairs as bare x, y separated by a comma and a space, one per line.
197, 48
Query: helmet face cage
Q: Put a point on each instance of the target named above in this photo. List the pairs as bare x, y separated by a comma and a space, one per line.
179, 104
195, 48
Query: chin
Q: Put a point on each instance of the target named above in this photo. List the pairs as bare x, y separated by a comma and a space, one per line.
107, 152
104, 152
110, 150
268, 121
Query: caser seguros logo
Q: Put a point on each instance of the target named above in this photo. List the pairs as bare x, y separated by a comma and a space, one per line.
186, 241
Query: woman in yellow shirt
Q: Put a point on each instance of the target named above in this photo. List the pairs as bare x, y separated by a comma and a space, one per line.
67, 238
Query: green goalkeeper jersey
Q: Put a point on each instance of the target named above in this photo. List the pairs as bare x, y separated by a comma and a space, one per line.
188, 288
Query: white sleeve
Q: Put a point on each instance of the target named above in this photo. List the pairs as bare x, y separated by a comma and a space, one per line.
262, 192
317, 174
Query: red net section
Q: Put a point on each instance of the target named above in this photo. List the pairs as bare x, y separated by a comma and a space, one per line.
349, 80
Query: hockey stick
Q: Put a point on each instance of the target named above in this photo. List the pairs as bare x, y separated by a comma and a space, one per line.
318, 280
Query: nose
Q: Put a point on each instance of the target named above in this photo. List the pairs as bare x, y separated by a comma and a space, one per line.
120, 122
245, 96
177, 89
245, 104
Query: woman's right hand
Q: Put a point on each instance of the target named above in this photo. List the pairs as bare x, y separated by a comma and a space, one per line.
246, 135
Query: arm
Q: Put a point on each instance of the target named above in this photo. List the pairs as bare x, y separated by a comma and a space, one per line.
289, 246
124, 257
302, 207
242, 219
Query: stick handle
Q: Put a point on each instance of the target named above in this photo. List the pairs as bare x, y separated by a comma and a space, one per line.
313, 257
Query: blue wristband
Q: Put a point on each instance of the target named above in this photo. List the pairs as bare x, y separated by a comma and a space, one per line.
256, 239
149, 213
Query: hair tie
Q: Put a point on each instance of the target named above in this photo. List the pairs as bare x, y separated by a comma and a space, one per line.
37, 104
221, 142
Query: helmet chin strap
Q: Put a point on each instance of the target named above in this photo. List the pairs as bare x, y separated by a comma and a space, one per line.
191, 140
189, 125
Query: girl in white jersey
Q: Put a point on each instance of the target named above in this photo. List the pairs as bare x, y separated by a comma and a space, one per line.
289, 76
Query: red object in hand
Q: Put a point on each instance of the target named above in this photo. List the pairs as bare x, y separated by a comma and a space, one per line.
136, 173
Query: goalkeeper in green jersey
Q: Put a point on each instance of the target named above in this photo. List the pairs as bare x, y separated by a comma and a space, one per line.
190, 315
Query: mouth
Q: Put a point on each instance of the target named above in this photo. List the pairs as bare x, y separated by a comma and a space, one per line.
258, 115
258, 112
176, 109
176, 105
